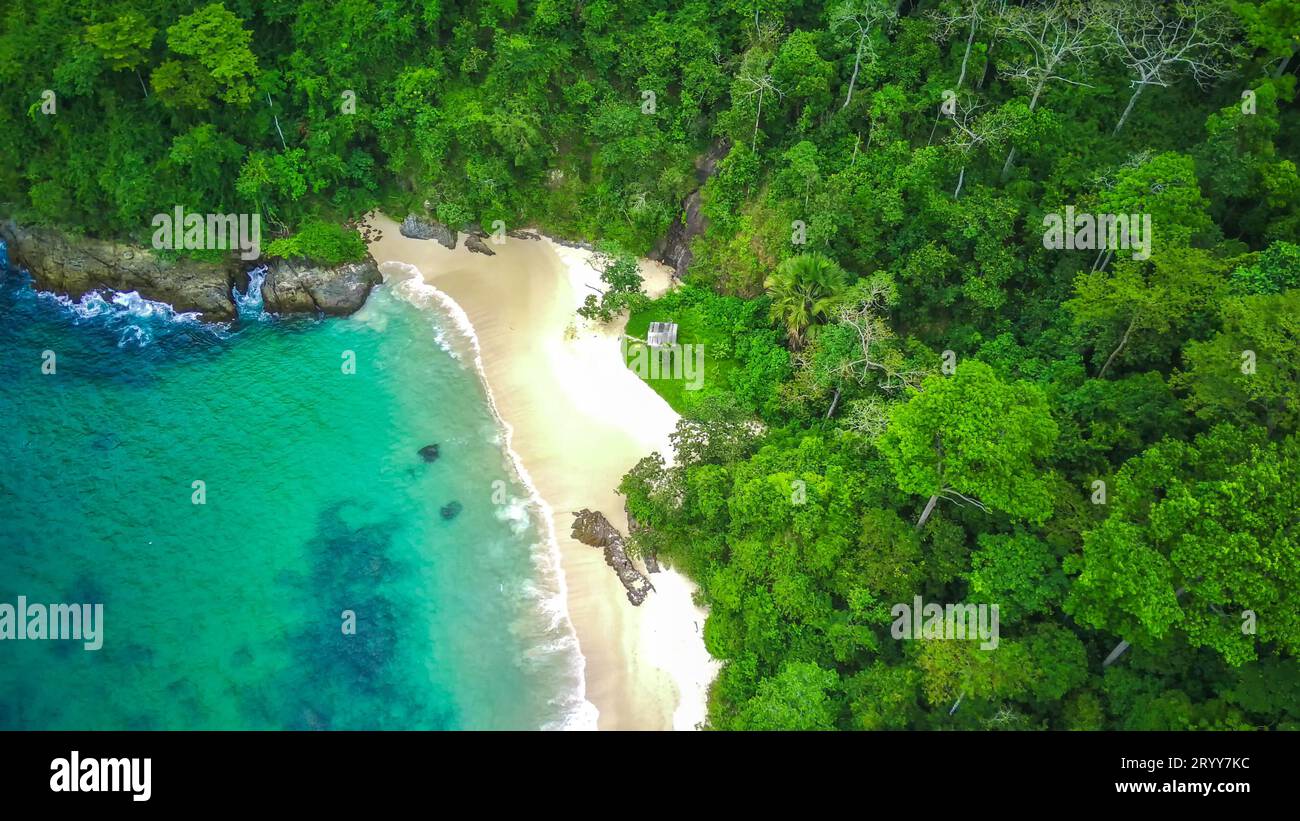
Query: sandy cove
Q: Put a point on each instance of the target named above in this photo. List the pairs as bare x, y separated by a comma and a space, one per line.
579, 420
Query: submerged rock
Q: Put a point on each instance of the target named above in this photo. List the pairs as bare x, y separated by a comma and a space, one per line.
430, 452
478, 246
417, 227
592, 528
451, 510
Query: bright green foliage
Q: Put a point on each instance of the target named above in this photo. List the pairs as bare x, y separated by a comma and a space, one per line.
1199, 541
799, 698
1249, 371
323, 241
623, 281
803, 74
743, 358
220, 61
1019, 573
973, 437
1275, 269
1166, 187
1143, 311
884, 697
1272, 25
957, 669
124, 41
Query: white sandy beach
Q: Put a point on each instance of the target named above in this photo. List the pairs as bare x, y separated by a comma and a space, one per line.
579, 420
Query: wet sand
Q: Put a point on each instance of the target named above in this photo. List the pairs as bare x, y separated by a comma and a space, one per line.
579, 420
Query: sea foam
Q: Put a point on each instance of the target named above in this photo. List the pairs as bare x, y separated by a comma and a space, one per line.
135, 319
551, 594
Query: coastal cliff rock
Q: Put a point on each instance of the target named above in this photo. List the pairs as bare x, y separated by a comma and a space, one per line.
592, 528
75, 266
297, 286
417, 227
675, 248
72, 265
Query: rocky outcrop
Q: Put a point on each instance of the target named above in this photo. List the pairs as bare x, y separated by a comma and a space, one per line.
296, 286
675, 248
524, 233
417, 227
592, 528
478, 246
73, 265
571, 243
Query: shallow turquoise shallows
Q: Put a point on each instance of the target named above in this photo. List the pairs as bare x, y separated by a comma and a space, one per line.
231, 614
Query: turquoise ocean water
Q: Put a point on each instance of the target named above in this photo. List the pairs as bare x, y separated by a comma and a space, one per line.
229, 614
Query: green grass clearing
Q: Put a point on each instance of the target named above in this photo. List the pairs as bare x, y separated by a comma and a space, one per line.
691, 330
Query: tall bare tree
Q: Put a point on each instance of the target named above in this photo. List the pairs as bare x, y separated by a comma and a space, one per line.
1057, 39
877, 355
967, 16
857, 20
973, 130
759, 83
877, 344
1158, 43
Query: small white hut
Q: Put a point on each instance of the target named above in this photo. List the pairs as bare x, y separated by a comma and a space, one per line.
662, 335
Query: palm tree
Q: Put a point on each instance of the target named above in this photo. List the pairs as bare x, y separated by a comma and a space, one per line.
801, 289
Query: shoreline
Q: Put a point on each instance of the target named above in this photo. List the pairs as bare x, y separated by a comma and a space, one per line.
576, 420
584, 714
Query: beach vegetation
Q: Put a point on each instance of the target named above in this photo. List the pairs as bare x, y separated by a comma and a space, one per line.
322, 241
